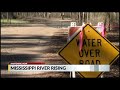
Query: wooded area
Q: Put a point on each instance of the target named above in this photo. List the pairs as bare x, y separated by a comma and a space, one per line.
111, 19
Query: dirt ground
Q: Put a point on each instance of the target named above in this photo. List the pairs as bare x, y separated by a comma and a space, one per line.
35, 44
31, 44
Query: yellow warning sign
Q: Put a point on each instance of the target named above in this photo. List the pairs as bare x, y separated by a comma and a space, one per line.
96, 49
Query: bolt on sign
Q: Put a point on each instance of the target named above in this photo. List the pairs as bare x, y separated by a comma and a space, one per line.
96, 50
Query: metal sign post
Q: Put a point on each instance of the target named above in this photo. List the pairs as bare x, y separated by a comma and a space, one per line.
72, 74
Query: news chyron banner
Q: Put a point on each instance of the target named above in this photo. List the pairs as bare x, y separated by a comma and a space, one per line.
27, 67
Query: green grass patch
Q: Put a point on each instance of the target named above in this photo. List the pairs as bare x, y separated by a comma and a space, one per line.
13, 21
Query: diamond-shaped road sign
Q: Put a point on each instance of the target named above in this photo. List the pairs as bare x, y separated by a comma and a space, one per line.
96, 50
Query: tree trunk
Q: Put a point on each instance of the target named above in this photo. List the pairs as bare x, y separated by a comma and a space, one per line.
87, 16
109, 20
62, 15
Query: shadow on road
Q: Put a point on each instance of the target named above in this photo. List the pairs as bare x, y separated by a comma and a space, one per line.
54, 43
6, 59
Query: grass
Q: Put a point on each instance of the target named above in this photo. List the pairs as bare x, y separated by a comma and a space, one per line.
16, 21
